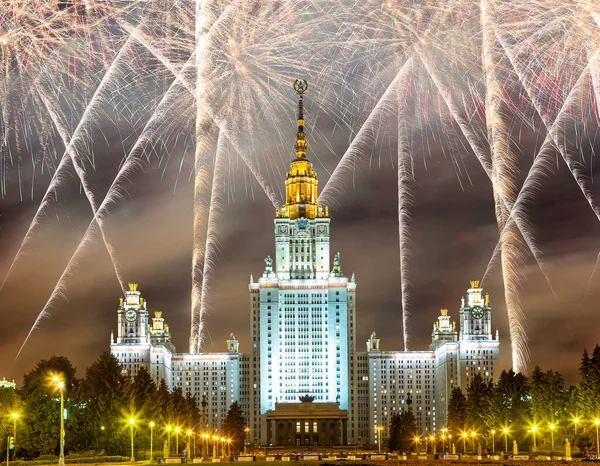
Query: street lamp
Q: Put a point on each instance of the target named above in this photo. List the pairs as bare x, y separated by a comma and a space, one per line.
473, 438
552, 439
432, 438
464, 436
151, 444
505, 440
378, 429
228, 447
417, 444
131, 423
60, 384
597, 422
426, 439
444, 430
246, 431
177, 430
169, 439
215, 446
15, 416
533, 430
576, 421
493, 440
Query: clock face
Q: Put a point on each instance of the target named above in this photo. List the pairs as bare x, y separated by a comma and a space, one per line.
477, 312
130, 315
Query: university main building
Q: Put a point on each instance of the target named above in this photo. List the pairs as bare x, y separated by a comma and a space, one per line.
303, 380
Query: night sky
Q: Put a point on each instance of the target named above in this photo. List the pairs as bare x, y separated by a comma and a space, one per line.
453, 236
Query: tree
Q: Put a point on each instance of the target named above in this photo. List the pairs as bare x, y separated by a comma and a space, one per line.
402, 431
10, 402
457, 411
234, 427
104, 388
41, 424
478, 394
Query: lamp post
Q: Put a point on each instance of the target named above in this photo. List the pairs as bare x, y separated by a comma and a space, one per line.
246, 431
189, 432
432, 438
493, 440
131, 423
417, 444
473, 439
177, 430
597, 422
444, 430
426, 439
464, 436
169, 439
228, 447
533, 430
215, 446
151, 439
552, 439
505, 440
61, 386
576, 421
378, 429
15, 416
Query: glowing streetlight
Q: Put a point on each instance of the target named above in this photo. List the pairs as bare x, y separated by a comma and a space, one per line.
552, 438
505, 431
493, 440
215, 438
131, 423
417, 439
246, 431
533, 430
575, 422
228, 447
169, 439
60, 384
177, 430
464, 437
432, 439
597, 422
473, 438
151, 439
379, 429
444, 430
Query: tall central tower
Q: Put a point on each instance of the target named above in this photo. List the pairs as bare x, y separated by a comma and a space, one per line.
302, 308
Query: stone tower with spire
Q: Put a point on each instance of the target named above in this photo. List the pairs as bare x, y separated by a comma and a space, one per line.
302, 308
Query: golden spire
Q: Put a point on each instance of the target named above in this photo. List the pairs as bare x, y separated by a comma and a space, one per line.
300, 87
301, 181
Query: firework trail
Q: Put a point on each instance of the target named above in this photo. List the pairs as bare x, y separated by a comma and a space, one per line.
212, 242
63, 165
357, 149
504, 169
405, 200
115, 193
80, 169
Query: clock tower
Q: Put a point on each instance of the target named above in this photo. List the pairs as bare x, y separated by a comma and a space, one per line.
477, 346
132, 317
476, 314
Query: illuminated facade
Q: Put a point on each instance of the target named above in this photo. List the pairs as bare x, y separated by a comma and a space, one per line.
423, 380
303, 343
302, 308
210, 377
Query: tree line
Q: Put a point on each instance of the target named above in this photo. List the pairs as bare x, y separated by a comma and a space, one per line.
523, 407
98, 408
